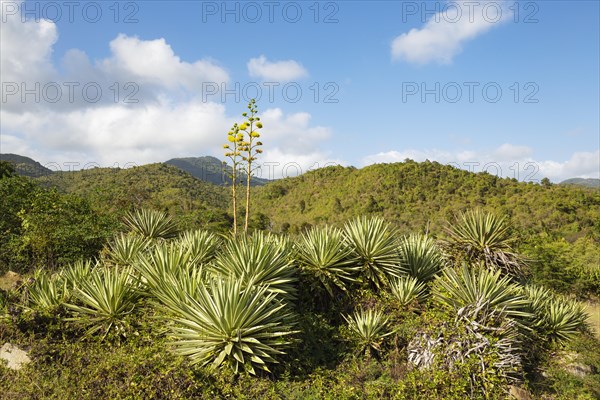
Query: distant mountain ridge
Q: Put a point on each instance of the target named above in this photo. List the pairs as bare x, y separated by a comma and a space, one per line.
587, 182
26, 166
209, 169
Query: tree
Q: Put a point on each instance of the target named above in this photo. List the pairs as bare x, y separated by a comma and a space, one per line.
59, 229
7, 169
546, 182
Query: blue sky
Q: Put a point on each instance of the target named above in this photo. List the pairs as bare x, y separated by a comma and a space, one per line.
504, 86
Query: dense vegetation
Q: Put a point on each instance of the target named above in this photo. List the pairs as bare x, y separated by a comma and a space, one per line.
410, 280
356, 312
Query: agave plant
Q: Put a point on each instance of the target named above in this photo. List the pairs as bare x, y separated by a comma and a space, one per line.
169, 271
201, 245
373, 243
369, 329
407, 290
231, 325
480, 237
124, 249
46, 292
557, 318
258, 260
480, 294
323, 253
420, 257
151, 224
77, 272
103, 300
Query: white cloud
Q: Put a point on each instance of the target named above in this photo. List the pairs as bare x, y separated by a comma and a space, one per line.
507, 152
148, 61
150, 68
26, 48
444, 34
507, 160
585, 164
117, 134
278, 71
170, 119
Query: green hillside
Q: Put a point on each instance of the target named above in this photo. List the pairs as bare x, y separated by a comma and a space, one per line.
25, 166
420, 196
157, 186
209, 169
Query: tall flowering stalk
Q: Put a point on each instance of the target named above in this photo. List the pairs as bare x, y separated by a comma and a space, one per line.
235, 138
249, 149
242, 149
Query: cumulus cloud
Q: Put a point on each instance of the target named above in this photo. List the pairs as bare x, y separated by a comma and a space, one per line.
136, 72
169, 118
26, 47
277, 71
445, 33
116, 134
150, 61
510, 161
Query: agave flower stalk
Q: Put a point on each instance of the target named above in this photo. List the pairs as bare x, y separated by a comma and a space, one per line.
249, 147
235, 138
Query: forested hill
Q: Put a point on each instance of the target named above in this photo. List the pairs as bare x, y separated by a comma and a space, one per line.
209, 169
419, 196
158, 186
25, 166
412, 196
590, 182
